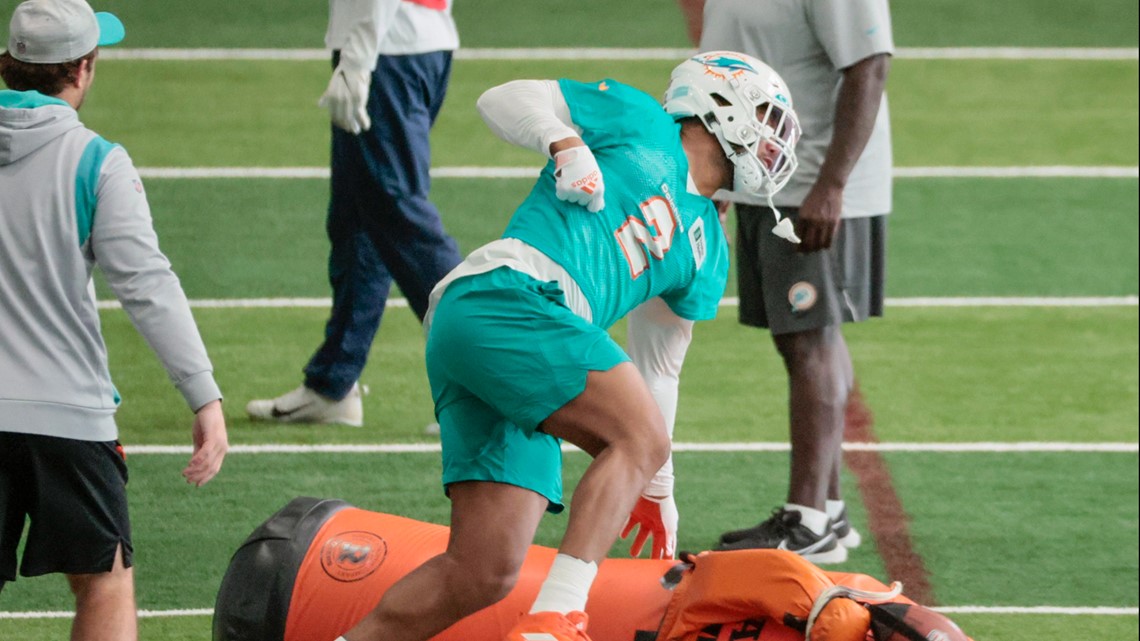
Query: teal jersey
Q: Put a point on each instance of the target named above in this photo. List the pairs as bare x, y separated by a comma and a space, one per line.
653, 237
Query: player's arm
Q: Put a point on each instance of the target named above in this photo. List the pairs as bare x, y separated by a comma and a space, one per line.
657, 342
346, 97
124, 245
533, 114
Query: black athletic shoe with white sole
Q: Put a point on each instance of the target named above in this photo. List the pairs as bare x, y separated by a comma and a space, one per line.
785, 531
848, 536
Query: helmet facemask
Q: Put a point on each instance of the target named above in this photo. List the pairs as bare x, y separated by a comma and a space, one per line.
761, 150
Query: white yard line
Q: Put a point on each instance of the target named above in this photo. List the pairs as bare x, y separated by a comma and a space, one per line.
1040, 609
143, 614
1059, 171
599, 53
413, 448
729, 301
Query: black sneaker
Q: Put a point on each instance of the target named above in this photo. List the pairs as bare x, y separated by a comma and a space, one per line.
784, 531
848, 536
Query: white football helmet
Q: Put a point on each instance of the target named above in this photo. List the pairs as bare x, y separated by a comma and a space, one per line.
726, 91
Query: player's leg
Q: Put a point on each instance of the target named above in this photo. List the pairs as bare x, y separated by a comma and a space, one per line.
406, 95
105, 604
510, 342
360, 285
817, 364
616, 420
793, 296
492, 526
359, 278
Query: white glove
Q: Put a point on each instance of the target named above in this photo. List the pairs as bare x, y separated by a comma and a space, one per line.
656, 517
578, 179
347, 97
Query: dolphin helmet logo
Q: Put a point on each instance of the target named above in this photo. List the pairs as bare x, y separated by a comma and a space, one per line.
721, 61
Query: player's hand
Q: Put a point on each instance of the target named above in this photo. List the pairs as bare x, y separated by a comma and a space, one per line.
657, 518
578, 179
346, 98
819, 217
210, 444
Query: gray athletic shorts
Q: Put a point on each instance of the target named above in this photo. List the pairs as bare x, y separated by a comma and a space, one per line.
790, 292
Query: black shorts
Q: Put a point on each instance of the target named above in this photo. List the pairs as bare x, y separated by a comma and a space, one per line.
790, 292
75, 493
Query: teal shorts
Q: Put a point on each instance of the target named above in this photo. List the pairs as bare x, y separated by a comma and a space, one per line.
504, 353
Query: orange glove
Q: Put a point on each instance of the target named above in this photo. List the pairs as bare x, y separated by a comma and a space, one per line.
656, 517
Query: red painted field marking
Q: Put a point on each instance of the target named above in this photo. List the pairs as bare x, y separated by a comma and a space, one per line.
887, 519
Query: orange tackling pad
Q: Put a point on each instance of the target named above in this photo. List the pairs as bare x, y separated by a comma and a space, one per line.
314, 569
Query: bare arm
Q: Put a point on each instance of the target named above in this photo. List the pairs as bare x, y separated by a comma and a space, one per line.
693, 11
856, 108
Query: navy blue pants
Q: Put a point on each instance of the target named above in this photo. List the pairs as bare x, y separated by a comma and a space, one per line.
380, 222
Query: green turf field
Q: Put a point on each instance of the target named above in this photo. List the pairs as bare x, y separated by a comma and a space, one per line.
944, 112
1025, 529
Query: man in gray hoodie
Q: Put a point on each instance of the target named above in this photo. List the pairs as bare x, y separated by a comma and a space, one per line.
70, 200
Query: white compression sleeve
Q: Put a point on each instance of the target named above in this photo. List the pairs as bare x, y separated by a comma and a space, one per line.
527, 113
657, 341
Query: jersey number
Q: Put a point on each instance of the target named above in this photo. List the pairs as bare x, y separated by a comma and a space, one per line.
640, 240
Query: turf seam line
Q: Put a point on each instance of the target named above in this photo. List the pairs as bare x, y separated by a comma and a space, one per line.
623, 53
1042, 171
728, 301
423, 448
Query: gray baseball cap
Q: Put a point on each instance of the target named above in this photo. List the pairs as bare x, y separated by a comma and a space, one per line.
55, 31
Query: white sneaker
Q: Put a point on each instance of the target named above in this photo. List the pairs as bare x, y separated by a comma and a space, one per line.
303, 405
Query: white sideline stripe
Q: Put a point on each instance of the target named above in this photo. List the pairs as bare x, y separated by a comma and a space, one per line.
1058, 171
143, 614
1008, 301
615, 53
405, 448
1040, 609
962, 609
728, 301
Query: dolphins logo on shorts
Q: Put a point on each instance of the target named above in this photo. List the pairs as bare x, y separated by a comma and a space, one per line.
802, 296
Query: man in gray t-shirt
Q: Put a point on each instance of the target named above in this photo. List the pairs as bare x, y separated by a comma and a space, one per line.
834, 56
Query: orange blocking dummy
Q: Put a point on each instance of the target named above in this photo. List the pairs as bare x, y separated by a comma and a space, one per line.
316, 567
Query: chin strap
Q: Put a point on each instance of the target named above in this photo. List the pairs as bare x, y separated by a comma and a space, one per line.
783, 228
842, 591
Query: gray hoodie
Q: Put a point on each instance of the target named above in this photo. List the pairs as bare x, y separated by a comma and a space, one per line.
69, 200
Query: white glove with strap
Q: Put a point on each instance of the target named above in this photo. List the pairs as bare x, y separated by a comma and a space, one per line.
346, 98
578, 179
656, 517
